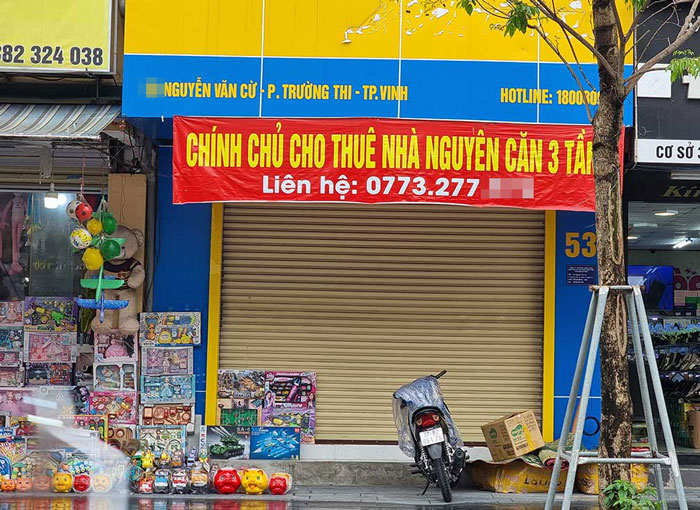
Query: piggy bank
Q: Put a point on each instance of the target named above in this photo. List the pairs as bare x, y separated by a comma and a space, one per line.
101, 483
254, 481
227, 481
280, 483
62, 482
24, 484
8, 485
41, 483
81, 483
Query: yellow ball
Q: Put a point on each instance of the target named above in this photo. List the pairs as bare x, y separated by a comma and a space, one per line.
80, 238
94, 226
93, 259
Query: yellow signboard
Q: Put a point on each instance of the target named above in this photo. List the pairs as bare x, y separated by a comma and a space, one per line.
57, 36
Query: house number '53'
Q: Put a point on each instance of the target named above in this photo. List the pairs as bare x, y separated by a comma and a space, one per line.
580, 244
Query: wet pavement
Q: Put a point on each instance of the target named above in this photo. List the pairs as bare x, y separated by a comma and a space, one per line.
312, 498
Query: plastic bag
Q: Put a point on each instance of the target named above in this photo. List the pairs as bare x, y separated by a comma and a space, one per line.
423, 392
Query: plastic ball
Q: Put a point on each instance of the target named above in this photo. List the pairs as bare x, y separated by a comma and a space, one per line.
71, 207
83, 212
93, 259
109, 224
110, 249
80, 238
94, 226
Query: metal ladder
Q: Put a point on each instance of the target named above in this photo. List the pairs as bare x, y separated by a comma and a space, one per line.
587, 356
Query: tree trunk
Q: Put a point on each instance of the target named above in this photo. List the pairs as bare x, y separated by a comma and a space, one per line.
616, 426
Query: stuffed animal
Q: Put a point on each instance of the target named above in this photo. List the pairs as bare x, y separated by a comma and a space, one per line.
123, 267
17, 208
254, 481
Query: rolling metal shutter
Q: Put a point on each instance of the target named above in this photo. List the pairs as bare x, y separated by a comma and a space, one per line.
371, 297
19, 168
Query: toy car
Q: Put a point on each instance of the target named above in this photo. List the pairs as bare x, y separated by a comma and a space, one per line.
146, 484
199, 481
161, 485
180, 481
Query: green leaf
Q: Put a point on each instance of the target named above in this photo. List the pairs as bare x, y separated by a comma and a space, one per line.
467, 5
684, 62
519, 17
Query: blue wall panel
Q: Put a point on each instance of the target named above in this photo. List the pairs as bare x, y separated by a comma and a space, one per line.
181, 276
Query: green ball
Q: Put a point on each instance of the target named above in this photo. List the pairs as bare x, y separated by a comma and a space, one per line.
109, 224
110, 249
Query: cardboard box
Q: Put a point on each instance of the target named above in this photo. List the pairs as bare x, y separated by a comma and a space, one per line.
694, 427
587, 477
513, 435
516, 476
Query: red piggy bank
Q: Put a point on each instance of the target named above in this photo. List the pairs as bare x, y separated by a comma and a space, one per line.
81, 483
280, 483
227, 481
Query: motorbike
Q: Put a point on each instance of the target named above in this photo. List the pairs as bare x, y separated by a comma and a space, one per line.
428, 434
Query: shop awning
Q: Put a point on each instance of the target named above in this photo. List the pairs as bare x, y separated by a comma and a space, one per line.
56, 121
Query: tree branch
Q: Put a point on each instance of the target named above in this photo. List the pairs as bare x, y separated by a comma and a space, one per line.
580, 67
565, 26
635, 22
640, 55
555, 48
686, 32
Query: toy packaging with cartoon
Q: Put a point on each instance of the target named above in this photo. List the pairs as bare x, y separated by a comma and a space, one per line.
241, 384
11, 377
171, 328
166, 360
57, 314
121, 407
167, 388
11, 313
49, 374
168, 414
240, 398
240, 417
112, 345
168, 438
294, 392
97, 423
10, 358
304, 418
225, 443
50, 347
119, 375
11, 338
275, 443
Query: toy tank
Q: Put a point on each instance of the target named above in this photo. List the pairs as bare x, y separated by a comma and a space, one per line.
227, 448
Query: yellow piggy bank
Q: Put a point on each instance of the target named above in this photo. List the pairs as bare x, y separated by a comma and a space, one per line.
254, 481
62, 482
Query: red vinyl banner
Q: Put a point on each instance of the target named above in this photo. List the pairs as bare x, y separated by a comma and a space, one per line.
534, 166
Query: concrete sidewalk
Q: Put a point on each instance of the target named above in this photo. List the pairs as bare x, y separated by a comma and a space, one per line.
386, 496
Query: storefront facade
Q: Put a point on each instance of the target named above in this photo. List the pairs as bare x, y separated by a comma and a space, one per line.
367, 296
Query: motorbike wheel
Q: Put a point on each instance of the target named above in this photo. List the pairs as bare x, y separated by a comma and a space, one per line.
443, 479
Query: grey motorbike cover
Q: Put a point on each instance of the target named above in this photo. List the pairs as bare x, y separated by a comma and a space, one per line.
423, 392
